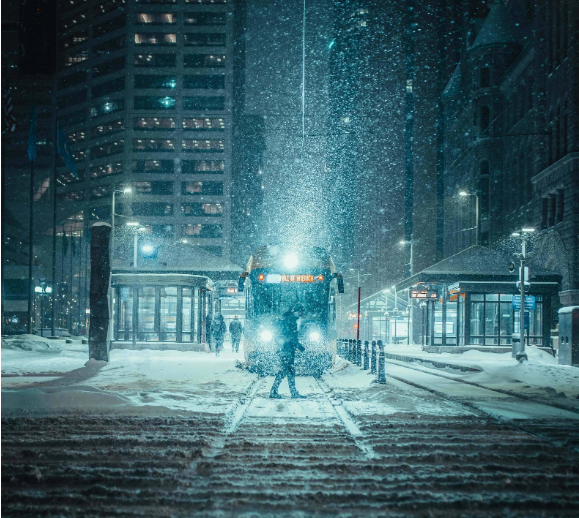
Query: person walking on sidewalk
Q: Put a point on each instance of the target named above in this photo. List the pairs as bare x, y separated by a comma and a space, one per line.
235, 330
287, 344
218, 329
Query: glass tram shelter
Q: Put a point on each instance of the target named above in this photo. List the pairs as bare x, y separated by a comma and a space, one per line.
467, 300
164, 302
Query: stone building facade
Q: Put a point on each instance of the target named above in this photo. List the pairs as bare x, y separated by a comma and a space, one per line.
512, 136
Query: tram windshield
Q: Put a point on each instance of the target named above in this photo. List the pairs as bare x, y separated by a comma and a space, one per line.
278, 298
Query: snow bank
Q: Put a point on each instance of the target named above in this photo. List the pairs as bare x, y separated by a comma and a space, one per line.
147, 382
32, 343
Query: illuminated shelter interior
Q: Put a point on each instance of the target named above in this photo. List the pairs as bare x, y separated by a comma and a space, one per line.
165, 300
474, 305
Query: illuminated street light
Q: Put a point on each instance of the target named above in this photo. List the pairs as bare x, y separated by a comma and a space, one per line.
133, 224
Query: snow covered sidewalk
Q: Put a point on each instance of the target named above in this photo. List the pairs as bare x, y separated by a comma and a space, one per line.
50, 377
540, 378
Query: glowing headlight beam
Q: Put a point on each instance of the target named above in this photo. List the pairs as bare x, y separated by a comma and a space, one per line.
291, 260
314, 336
266, 335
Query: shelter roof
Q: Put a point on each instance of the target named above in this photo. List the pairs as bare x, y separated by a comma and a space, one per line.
476, 263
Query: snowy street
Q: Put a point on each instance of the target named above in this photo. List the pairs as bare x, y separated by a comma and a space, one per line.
170, 433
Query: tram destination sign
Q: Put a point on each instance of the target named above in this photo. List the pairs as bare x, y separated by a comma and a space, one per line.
276, 278
297, 278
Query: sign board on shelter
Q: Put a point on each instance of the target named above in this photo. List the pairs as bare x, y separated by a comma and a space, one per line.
529, 302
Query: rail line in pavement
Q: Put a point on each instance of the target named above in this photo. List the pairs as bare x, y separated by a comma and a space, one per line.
428, 370
495, 416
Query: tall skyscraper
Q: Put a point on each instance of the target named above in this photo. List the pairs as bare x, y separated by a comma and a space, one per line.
144, 96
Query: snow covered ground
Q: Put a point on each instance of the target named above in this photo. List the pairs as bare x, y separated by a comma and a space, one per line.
539, 378
48, 377
43, 377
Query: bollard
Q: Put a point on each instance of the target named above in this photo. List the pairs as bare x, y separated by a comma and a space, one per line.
359, 353
366, 356
373, 361
381, 365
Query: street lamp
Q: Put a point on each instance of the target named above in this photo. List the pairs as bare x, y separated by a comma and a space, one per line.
520, 354
42, 290
464, 194
126, 190
140, 228
359, 299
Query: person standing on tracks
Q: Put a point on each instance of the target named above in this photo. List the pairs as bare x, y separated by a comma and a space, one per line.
235, 330
218, 329
287, 344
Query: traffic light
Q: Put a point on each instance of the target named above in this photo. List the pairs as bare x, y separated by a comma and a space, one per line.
37, 37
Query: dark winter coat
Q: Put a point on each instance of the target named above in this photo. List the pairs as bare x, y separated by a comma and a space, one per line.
208, 321
235, 328
218, 328
287, 338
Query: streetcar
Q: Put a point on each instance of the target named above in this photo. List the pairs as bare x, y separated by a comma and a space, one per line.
274, 281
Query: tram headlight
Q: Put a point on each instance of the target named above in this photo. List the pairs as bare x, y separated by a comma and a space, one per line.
314, 336
290, 261
266, 335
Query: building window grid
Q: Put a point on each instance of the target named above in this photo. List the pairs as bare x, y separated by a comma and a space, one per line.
494, 316
104, 190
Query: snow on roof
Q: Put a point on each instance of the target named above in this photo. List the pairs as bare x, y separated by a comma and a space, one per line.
478, 260
474, 263
496, 29
180, 256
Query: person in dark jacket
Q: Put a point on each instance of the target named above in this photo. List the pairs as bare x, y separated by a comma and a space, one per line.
288, 343
208, 320
218, 329
235, 330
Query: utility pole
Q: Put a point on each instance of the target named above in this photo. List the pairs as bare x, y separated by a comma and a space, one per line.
409, 134
32, 158
358, 315
519, 353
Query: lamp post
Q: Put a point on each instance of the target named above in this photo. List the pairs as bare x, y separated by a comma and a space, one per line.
410, 243
520, 354
138, 228
359, 300
464, 194
43, 290
395, 312
387, 337
126, 190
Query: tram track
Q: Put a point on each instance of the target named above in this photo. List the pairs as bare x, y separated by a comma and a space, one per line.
571, 442
431, 371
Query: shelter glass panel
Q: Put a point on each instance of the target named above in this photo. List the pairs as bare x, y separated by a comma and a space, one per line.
168, 315
146, 330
